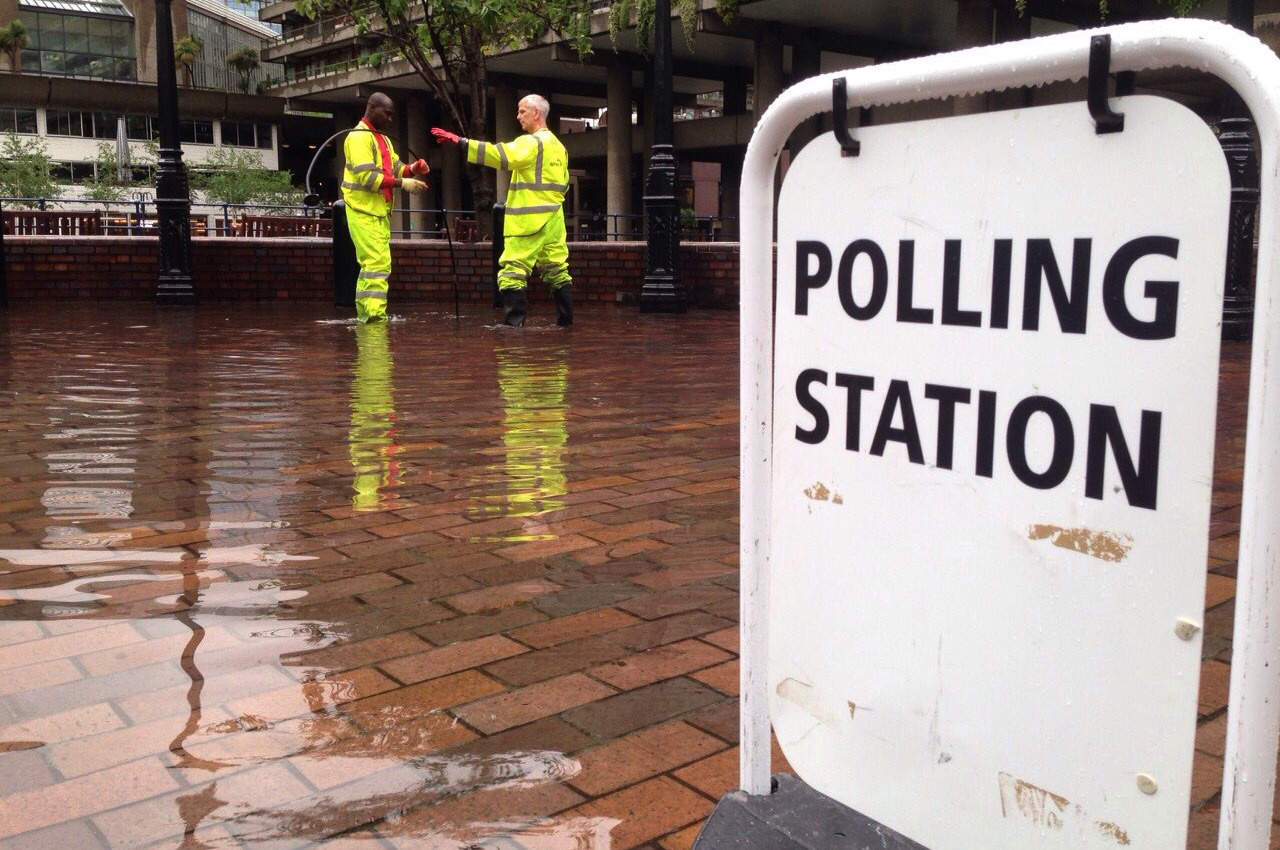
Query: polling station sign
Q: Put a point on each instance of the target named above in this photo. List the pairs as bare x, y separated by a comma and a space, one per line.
994, 386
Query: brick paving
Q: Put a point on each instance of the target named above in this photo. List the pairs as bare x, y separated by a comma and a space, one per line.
269, 579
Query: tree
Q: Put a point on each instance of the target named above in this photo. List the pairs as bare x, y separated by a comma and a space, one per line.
185, 52
26, 171
448, 43
13, 38
244, 61
233, 176
105, 184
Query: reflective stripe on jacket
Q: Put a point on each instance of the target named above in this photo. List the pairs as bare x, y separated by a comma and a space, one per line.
539, 169
362, 175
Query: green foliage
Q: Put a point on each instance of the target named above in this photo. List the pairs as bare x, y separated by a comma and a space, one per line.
244, 61
26, 171
105, 185
1181, 8
449, 42
13, 38
621, 13
185, 52
237, 177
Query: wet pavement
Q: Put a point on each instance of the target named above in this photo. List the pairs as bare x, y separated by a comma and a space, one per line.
268, 579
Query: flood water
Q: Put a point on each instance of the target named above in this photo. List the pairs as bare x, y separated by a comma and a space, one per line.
266, 576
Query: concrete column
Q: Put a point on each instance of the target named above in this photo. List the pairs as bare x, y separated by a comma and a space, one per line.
730, 193
768, 72
618, 133
506, 128
416, 135
806, 62
974, 27
735, 95
1010, 26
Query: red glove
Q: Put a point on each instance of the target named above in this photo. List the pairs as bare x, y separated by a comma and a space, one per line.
419, 167
444, 137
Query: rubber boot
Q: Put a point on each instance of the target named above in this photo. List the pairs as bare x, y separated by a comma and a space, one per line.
564, 305
516, 303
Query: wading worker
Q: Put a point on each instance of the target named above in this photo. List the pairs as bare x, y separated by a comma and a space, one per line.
533, 231
372, 171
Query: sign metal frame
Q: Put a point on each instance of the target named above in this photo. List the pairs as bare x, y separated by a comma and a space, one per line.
1253, 71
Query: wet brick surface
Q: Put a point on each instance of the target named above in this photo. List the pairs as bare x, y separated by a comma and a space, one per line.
268, 579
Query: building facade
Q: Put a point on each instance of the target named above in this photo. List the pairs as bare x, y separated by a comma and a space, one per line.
88, 77
725, 74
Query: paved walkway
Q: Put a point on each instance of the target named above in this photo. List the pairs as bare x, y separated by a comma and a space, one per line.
270, 580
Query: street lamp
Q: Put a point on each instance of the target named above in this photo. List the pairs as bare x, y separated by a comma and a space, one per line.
1236, 131
662, 291
173, 196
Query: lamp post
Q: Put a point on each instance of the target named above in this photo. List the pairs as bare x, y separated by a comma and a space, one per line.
173, 196
1236, 137
662, 291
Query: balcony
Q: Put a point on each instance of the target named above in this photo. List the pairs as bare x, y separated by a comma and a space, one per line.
313, 37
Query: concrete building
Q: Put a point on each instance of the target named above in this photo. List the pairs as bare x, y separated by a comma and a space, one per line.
88, 73
732, 69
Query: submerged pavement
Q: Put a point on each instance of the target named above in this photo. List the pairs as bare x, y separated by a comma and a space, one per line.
270, 579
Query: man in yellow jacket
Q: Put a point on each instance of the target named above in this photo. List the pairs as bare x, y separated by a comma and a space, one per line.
533, 231
372, 171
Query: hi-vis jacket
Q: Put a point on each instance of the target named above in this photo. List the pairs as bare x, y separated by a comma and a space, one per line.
364, 185
539, 169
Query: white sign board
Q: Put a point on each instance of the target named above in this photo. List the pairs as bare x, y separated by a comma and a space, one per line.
995, 376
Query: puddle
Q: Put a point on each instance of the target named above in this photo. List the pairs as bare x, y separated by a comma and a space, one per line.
210, 612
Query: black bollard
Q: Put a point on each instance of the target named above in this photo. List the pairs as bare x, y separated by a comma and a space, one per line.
345, 267
499, 217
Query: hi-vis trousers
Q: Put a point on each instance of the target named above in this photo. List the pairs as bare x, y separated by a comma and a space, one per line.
545, 249
372, 238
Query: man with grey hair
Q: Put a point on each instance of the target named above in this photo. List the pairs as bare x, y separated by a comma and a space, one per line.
533, 231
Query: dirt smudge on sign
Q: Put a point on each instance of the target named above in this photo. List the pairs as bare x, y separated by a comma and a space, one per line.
1102, 545
1048, 810
819, 492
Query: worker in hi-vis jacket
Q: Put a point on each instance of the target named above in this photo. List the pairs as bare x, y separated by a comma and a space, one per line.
372, 171
533, 230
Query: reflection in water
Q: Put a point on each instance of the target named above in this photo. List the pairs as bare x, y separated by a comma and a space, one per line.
189, 684
386, 797
532, 386
194, 808
189, 599
373, 418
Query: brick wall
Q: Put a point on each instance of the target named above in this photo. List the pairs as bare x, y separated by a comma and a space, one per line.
111, 267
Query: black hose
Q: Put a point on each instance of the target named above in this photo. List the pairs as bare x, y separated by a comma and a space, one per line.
448, 233
311, 199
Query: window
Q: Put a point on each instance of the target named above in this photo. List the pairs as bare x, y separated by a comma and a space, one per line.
138, 127
105, 125
64, 122
88, 125
80, 45
197, 132
72, 172
238, 134
17, 120
264, 136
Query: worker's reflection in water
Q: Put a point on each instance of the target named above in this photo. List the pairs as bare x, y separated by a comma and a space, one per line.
372, 439
531, 386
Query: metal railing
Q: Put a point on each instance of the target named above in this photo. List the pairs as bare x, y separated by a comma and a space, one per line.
137, 217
